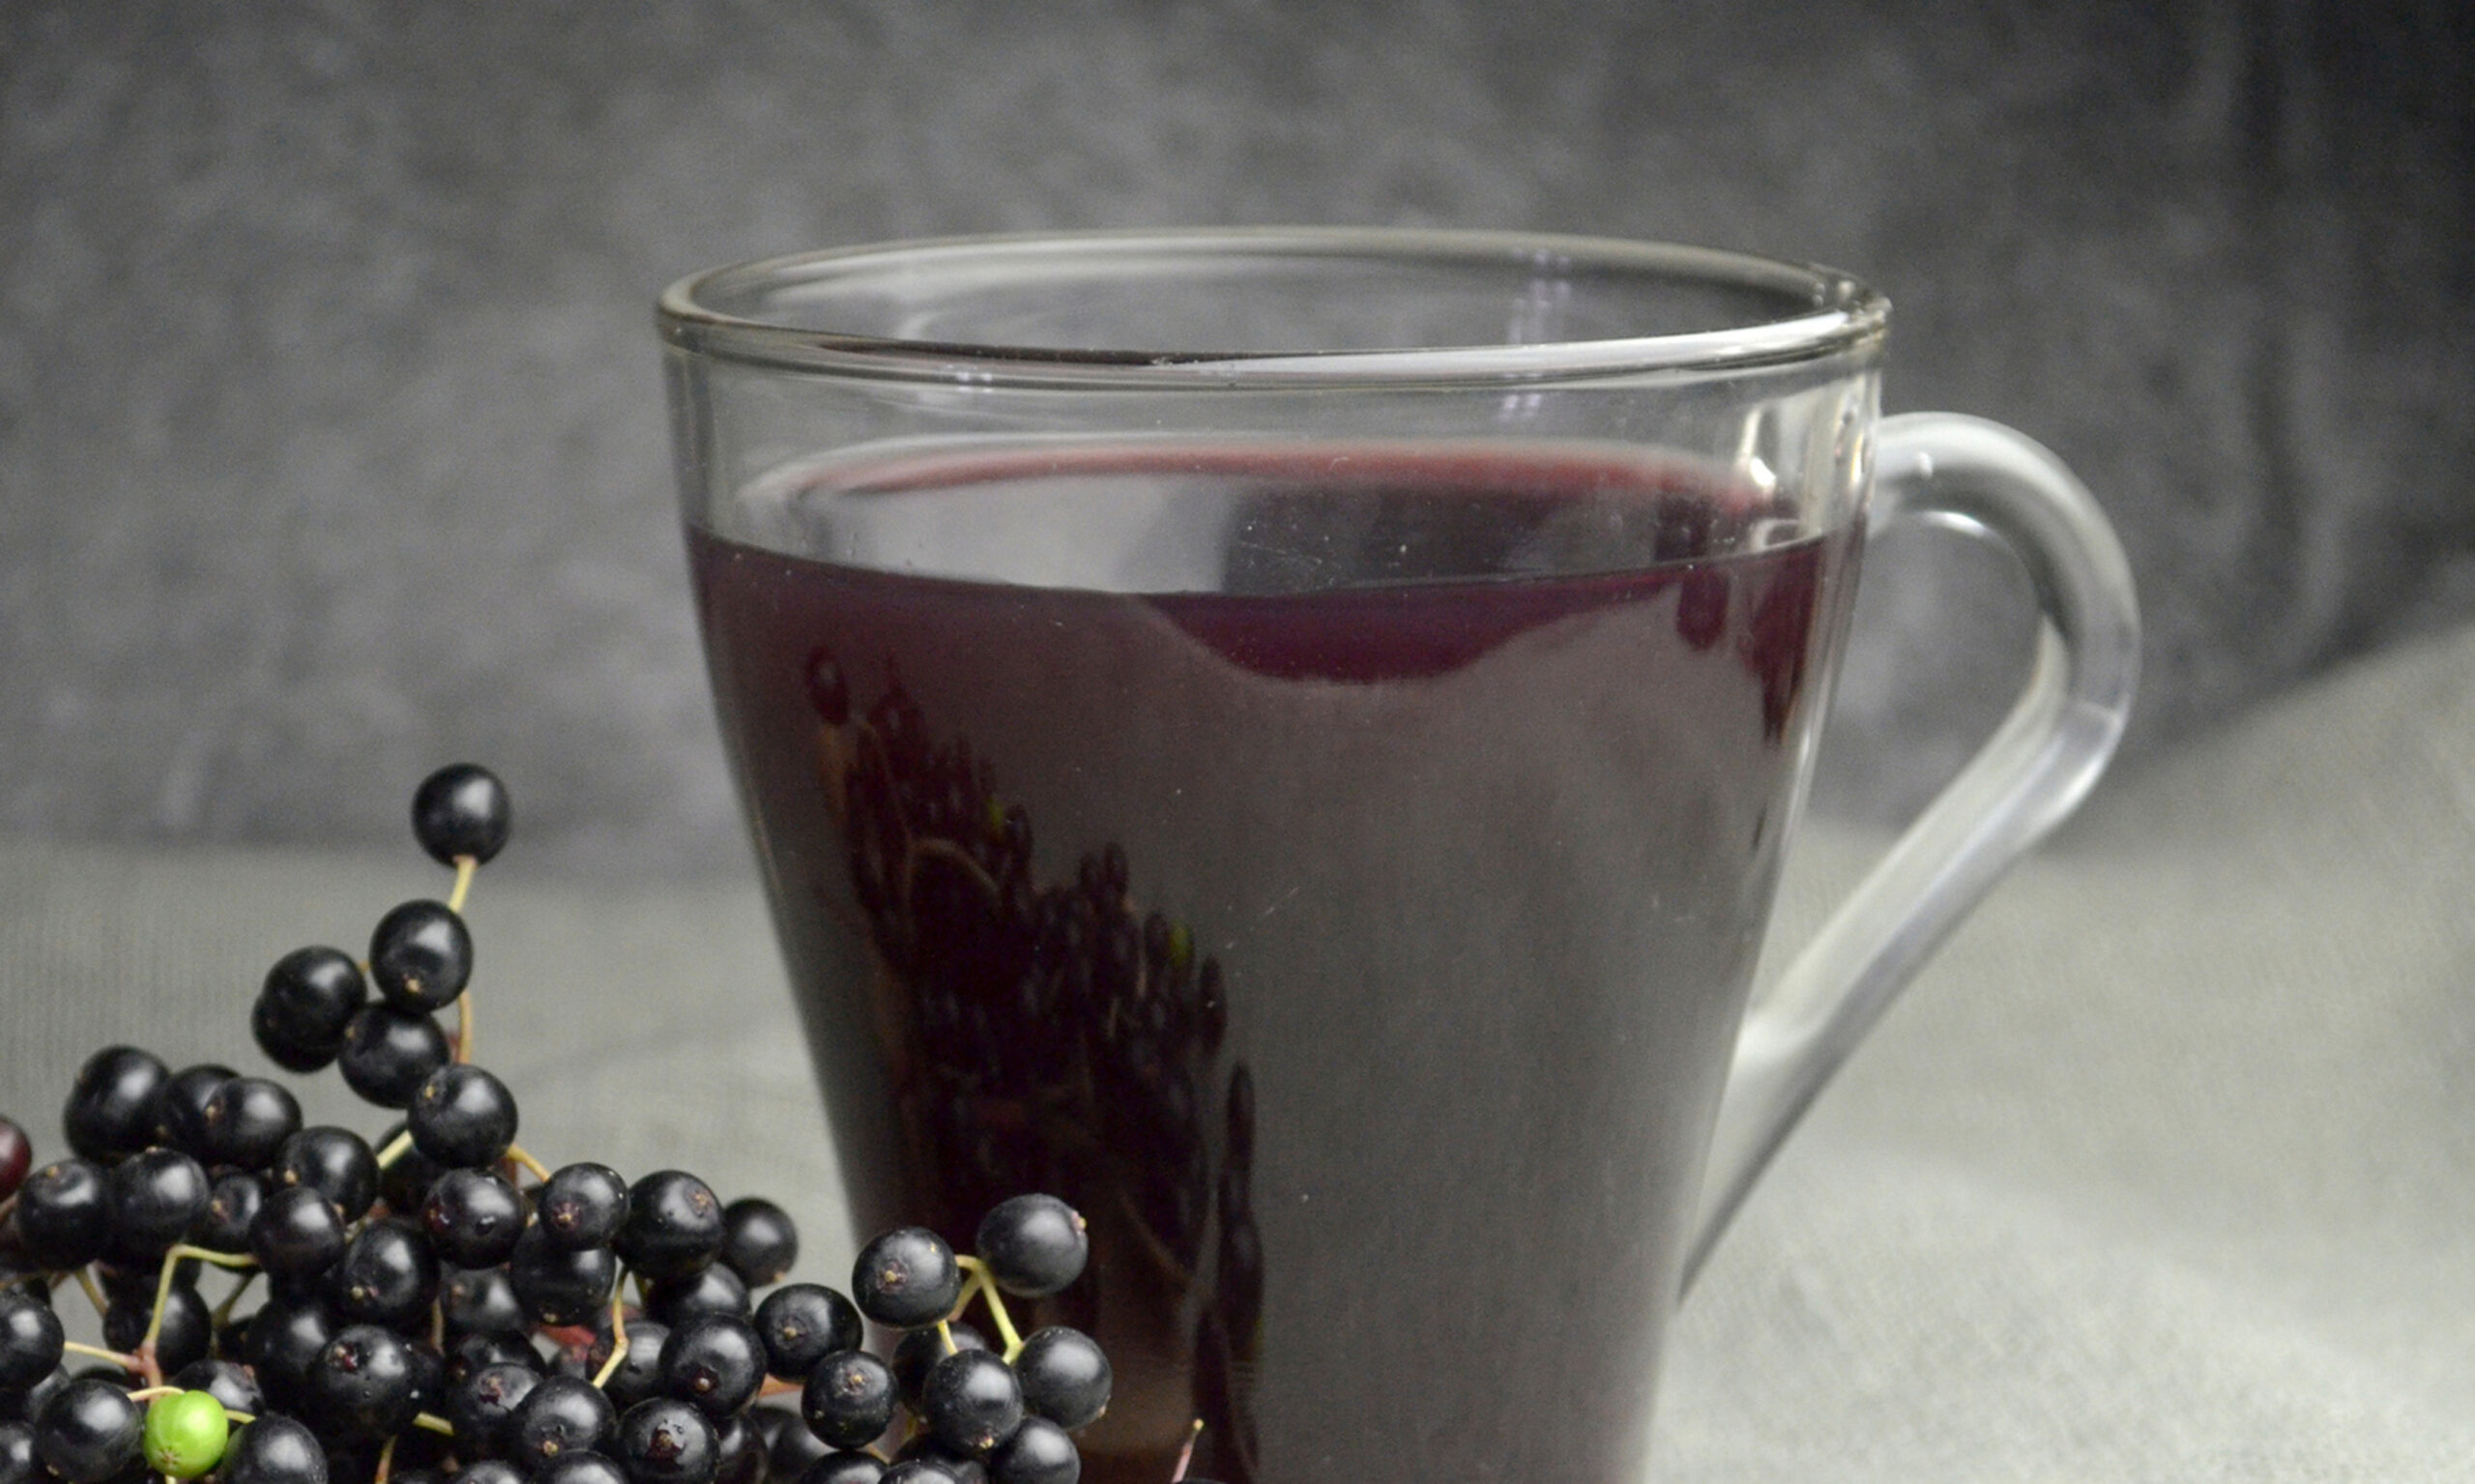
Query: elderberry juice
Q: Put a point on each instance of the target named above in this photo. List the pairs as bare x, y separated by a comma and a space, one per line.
1334, 869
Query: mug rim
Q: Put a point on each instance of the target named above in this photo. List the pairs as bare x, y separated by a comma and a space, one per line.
1836, 313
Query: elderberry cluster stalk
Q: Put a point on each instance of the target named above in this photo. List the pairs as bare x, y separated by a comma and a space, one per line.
435, 1303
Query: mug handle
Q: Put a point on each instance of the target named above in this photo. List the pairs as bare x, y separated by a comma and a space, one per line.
1964, 473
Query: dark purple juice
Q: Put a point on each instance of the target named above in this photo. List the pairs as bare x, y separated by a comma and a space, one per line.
1334, 870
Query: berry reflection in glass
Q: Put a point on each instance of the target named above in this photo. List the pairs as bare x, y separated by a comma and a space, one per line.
1099, 789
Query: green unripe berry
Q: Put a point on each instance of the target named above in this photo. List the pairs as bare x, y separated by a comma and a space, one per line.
185, 1434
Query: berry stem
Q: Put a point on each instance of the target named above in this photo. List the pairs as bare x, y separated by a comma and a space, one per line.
223, 1310
394, 1148
465, 865
164, 1288
150, 1393
94, 1295
979, 1282
386, 1462
124, 1361
464, 1026
540, 1172
434, 1424
1186, 1454
618, 1344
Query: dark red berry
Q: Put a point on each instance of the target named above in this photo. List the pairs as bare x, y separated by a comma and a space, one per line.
17, 1158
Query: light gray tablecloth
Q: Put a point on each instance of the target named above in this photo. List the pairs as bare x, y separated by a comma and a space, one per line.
2166, 1169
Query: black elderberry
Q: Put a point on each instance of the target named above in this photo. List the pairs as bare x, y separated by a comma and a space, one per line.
18, 1463
309, 998
1035, 1246
789, 1447
759, 1243
473, 1218
88, 1432
298, 1234
29, 1340
827, 692
739, 1451
923, 1459
227, 1381
461, 811
480, 1300
110, 1109
972, 1401
150, 1202
180, 1109
580, 1469
421, 956
906, 1278
387, 1054
666, 1440
336, 1163
1038, 1453
562, 1415
673, 1225
848, 1399
462, 1117
714, 1361
247, 1119
582, 1206
559, 1286
713, 1289
232, 1204
273, 1449
1065, 1376
363, 1384
60, 1214
804, 1322
470, 1352
387, 1276
185, 1329
482, 1409
914, 1353
489, 1470
284, 1339
27, 1404
841, 1467
638, 1377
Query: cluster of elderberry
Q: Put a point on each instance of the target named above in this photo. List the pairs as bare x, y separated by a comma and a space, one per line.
1060, 1034
440, 1303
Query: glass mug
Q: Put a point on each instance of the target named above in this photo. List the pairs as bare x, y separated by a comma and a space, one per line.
1285, 739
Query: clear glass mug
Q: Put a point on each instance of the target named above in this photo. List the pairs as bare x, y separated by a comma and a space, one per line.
1285, 739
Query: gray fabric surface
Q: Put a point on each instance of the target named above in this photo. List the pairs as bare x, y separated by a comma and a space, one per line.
2166, 1169
330, 440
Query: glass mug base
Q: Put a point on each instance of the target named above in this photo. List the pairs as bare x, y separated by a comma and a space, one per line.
1322, 830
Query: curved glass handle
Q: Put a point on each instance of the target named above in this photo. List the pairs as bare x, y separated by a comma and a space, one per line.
1956, 471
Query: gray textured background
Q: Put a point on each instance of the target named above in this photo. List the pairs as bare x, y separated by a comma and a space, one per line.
330, 443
